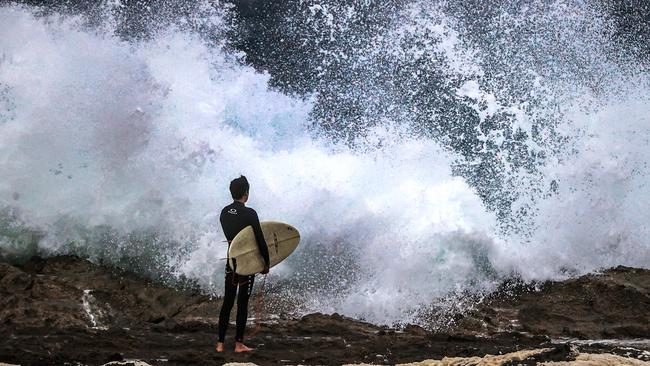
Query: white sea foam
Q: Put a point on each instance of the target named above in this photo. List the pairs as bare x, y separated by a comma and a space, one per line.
102, 140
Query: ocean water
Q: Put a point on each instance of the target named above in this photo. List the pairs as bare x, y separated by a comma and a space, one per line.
432, 158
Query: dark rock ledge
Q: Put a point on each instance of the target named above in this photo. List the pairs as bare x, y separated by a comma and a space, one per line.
64, 310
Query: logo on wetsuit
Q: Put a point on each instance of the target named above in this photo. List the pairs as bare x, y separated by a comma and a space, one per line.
232, 211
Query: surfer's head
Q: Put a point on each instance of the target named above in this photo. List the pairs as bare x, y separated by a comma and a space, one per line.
239, 188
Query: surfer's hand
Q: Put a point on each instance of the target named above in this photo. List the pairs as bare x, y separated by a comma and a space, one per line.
265, 270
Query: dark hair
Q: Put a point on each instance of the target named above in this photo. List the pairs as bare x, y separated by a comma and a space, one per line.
239, 187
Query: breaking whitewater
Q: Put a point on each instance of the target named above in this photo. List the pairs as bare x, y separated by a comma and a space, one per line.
423, 156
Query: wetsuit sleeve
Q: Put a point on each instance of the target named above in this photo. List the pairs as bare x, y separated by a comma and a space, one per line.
261, 243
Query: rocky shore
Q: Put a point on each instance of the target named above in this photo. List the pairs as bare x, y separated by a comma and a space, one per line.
64, 310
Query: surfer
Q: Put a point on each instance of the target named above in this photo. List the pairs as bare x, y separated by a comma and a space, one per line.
234, 218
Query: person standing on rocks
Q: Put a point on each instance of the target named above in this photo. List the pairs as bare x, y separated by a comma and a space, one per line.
234, 218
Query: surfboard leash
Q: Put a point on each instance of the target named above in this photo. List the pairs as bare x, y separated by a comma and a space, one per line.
259, 308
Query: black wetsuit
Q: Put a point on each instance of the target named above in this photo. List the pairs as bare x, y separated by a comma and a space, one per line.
234, 218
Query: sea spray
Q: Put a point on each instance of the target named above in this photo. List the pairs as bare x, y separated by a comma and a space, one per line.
121, 151
126, 141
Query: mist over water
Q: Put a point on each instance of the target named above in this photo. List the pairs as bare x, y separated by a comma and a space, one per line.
432, 157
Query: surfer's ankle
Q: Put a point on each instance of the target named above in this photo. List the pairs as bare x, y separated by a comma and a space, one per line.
241, 347
219, 347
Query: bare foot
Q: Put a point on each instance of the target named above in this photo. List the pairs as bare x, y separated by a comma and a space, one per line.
240, 347
219, 347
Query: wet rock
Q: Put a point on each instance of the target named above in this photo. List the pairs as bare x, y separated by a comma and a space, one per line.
66, 310
13, 280
612, 304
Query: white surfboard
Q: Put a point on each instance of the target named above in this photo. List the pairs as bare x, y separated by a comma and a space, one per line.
282, 239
